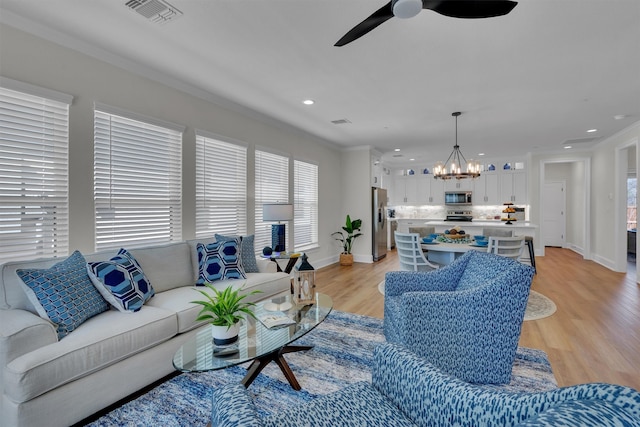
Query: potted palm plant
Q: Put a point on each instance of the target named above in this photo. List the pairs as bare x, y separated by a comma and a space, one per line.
352, 229
224, 310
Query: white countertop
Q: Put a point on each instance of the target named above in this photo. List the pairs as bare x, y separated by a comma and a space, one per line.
484, 223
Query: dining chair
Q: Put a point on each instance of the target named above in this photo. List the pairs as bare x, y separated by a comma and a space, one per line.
410, 253
497, 232
510, 247
423, 231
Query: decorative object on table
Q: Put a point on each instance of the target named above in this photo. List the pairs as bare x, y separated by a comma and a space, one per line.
224, 310
352, 228
267, 251
304, 279
456, 165
275, 320
277, 304
277, 212
455, 234
508, 210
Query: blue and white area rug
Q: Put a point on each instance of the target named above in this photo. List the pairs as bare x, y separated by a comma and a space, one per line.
342, 355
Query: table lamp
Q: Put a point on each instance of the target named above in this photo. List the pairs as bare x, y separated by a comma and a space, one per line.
277, 212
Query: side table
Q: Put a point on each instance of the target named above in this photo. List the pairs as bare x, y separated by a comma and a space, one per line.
292, 257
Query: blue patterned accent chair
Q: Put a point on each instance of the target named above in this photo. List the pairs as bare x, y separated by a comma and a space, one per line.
405, 390
464, 318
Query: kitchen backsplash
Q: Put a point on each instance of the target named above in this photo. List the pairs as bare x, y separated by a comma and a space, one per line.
440, 212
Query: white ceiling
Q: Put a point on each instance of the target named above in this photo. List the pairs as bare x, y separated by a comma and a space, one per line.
525, 82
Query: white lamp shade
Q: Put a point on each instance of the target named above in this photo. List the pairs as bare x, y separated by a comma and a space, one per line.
277, 212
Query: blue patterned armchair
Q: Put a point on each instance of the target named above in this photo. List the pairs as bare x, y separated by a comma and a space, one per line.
405, 390
464, 318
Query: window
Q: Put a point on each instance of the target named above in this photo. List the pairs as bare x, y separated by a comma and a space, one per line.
221, 187
305, 183
34, 200
137, 179
272, 186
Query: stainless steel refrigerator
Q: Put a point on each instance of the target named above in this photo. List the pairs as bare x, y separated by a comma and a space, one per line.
379, 221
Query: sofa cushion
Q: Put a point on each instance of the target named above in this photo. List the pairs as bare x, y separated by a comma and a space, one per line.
357, 405
99, 342
121, 281
179, 300
218, 261
247, 251
166, 266
63, 293
584, 413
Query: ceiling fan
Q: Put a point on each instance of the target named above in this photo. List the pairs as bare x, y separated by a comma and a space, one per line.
469, 9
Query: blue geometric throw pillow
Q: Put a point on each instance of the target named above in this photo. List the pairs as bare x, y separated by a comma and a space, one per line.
218, 261
247, 251
63, 293
121, 281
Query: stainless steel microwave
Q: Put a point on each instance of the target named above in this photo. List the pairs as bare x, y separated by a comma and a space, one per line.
457, 198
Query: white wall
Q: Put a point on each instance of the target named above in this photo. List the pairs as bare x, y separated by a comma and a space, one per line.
357, 198
37, 61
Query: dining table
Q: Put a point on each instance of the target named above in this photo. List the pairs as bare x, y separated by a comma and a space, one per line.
444, 253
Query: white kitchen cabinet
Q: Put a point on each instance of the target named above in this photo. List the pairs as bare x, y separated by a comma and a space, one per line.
486, 189
458, 185
376, 172
513, 186
435, 191
405, 190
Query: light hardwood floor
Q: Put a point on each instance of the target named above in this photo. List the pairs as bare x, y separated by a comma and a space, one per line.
593, 337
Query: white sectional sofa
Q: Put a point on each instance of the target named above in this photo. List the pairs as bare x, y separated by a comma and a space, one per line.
57, 382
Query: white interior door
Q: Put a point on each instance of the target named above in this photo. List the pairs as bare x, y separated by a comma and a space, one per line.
553, 216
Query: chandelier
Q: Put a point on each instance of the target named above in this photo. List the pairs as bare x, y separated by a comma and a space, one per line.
456, 165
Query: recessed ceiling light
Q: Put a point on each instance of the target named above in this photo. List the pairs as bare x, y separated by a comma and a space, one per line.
412, 160
308, 102
619, 116
566, 147
592, 130
480, 154
397, 149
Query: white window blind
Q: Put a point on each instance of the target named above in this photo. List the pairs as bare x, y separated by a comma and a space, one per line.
305, 184
221, 187
137, 181
272, 186
34, 201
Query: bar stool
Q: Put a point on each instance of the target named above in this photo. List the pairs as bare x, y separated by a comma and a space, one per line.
528, 241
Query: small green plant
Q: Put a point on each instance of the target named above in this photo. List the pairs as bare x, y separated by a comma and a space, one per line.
224, 308
353, 231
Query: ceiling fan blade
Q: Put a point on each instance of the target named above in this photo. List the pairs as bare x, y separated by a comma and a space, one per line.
378, 17
470, 9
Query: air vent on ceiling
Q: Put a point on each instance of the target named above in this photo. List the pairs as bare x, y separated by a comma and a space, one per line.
580, 140
340, 121
158, 11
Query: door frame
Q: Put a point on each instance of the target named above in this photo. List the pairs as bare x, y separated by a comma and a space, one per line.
586, 208
620, 220
564, 209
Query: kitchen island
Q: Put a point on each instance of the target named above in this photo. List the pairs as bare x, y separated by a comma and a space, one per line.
520, 228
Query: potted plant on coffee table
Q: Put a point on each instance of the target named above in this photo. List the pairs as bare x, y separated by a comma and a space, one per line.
352, 229
224, 310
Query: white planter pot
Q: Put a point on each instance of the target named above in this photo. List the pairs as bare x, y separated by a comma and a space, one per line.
223, 335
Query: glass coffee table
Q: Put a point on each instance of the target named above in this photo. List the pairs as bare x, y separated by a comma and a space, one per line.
256, 342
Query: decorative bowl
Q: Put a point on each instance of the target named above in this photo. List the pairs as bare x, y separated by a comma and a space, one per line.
427, 239
482, 243
477, 238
